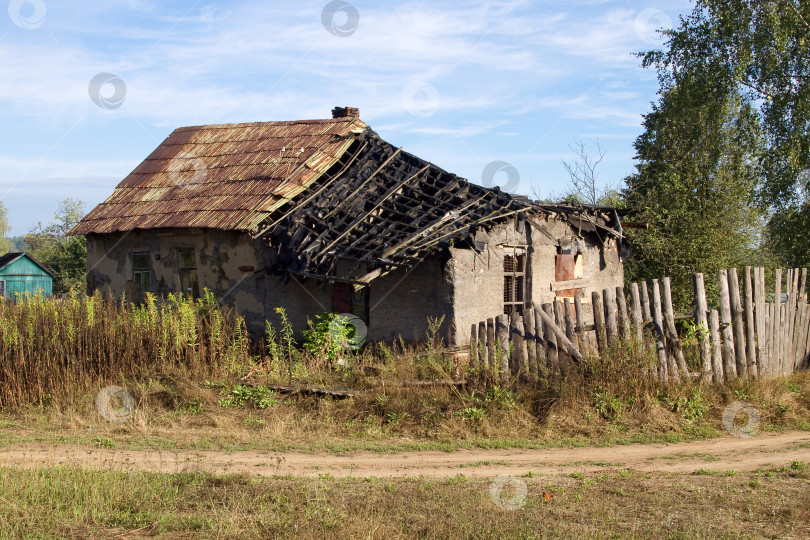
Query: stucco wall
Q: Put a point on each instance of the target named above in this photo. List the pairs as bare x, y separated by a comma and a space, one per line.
478, 278
219, 255
401, 302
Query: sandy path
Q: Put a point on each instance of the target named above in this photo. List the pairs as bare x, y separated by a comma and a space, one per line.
767, 450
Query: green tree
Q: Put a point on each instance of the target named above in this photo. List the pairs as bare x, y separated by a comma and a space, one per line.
65, 255
697, 176
760, 50
5, 243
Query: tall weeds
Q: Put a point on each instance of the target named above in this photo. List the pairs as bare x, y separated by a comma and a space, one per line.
54, 348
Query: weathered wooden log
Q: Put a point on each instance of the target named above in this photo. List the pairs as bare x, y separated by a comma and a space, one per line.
674, 339
658, 329
738, 329
502, 331
335, 392
717, 352
702, 324
599, 322
729, 358
750, 335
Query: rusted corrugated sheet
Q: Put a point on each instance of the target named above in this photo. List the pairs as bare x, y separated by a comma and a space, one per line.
227, 176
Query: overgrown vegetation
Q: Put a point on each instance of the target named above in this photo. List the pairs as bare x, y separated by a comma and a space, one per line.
56, 349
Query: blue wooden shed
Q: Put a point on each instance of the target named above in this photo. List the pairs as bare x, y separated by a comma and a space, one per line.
21, 273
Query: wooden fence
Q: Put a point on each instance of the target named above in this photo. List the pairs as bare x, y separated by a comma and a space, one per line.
745, 336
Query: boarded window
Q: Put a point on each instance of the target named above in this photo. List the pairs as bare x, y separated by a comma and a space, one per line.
2, 288
141, 275
347, 299
188, 273
514, 282
569, 267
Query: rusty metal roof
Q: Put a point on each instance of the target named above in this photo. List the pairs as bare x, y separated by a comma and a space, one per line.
225, 176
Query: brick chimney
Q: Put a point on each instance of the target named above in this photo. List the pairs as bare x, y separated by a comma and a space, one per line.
345, 112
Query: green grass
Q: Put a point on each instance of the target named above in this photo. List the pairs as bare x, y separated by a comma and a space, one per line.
65, 502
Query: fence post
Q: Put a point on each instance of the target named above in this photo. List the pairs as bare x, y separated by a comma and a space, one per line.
737, 328
542, 359
798, 335
717, 353
750, 338
702, 323
635, 310
493, 362
551, 340
530, 342
483, 349
624, 321
474, 346
609, 298
584, 341
559, 319
761, 312
669, 319
518, 344
776, 342
658, 328
570, 329
729, 366
562, 339
502, 330
599, 321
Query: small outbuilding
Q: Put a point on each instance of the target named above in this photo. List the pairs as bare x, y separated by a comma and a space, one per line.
21, 273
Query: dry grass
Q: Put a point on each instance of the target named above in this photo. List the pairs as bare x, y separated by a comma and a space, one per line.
56, 349
64, 502
186, 363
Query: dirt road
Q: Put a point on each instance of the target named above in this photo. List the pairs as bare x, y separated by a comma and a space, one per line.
730, 453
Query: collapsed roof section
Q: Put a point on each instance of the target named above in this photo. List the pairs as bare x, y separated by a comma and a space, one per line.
380, 208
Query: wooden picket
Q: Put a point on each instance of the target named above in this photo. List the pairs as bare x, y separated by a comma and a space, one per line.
744, 336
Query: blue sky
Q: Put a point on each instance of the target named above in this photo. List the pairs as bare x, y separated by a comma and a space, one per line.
461, 84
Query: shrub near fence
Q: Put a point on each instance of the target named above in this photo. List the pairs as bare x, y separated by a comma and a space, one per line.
56, 347
745, 336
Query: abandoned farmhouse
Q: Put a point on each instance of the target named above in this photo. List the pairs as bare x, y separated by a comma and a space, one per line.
324, 215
